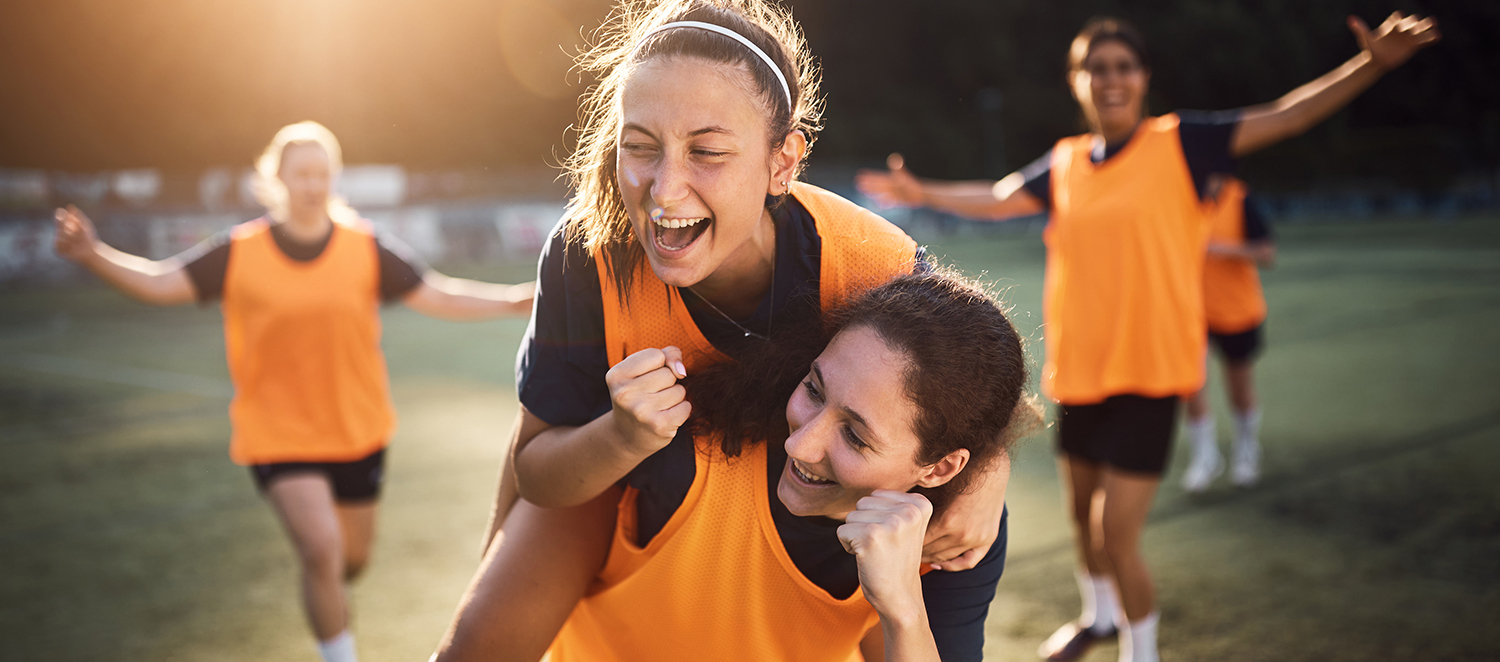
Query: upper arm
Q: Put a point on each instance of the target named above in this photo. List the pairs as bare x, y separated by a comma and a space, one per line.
562, 360
402, 271
1207, 144
204, 267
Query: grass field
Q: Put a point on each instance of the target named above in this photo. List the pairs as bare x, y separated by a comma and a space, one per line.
126, 534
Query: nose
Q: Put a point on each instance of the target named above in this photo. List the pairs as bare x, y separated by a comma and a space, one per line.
670, 184
809, 443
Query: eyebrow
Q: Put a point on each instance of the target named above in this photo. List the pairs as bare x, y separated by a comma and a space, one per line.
630, 126
871, 439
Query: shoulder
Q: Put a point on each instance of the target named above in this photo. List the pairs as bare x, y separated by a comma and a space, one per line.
836, 216
565, 252
249, 229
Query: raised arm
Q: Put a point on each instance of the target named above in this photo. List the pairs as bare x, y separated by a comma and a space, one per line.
884, 533
157, 282
464, 300
981, 200
567, 466
1381, 50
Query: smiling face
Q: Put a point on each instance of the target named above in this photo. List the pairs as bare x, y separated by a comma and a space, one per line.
1111, 86
308, 176
852, 432
694, 167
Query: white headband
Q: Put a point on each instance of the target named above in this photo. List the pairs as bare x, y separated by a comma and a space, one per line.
732, 35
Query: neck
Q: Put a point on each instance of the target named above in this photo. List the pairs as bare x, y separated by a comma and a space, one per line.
307, 225
1116, 134
740, 283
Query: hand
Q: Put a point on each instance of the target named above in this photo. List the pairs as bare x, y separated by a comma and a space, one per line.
894, 188
962, 535
1396, 40
884, 533
75, 234
649, 404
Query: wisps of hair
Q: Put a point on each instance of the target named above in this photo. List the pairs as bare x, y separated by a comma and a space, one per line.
596, 212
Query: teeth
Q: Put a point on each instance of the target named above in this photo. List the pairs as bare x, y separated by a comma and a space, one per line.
677, 222
806, 476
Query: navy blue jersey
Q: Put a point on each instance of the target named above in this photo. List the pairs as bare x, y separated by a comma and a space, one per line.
1205, 144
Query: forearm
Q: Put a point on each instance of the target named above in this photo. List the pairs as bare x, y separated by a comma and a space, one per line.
1303, 108
156, 282
908, 637
463, 300
982, 200
567, 466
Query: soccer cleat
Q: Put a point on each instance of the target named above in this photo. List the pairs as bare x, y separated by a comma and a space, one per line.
1070, 642
1207, 465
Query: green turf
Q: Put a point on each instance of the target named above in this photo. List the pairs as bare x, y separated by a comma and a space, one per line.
126, 534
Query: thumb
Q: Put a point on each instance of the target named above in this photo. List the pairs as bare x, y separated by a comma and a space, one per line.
1361, 31
674, 361
895, 161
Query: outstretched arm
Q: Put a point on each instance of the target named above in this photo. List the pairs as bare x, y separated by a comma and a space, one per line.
157, 282
464, 300
980, 200
1381, 50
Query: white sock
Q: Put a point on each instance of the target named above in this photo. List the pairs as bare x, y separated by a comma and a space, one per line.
1138, 640
1247, 427
1099, 603
338, 649
1204, 434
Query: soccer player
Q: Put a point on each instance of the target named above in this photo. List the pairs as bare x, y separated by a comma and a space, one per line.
301, 290
1124, 285
1235, 309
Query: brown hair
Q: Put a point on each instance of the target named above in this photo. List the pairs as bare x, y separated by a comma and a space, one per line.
1101, 29
966, 372
596, 213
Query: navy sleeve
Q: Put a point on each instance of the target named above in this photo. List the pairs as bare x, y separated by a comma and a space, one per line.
1205, 143
206, 265
1038, 176
1257, 228
561, 364
958, 602
401, 270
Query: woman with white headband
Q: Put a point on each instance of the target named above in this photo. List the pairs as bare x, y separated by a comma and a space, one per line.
688, 241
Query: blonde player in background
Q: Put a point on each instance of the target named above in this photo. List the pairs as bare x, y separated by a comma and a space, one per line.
301, 290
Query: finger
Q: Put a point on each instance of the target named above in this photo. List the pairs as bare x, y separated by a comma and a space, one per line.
651, 383
638, 364
672, 356
1406, 24
850, 534
895, 161
678, 414
1361, 31
964, 561
943, 555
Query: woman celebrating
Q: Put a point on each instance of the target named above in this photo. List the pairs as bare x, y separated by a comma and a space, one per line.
1124, 290
687, 235
301, 289
802, 522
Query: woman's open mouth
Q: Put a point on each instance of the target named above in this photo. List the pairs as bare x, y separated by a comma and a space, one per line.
808, 477
674, 235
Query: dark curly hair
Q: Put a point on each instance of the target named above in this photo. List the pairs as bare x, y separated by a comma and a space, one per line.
966, 372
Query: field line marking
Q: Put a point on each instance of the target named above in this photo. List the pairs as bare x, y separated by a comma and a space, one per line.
161, 380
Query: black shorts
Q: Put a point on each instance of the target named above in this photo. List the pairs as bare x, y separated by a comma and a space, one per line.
352, 481
1129, 432
1237, 347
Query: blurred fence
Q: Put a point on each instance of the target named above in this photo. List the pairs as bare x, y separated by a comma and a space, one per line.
471, 216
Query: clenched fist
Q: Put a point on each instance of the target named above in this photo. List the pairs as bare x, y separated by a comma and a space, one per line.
649, 404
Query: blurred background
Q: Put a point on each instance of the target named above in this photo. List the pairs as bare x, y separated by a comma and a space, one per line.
126, 534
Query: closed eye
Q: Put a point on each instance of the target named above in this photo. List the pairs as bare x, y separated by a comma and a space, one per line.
853, 439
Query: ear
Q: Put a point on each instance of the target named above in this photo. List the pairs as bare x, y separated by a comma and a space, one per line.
942, 471
784, 162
